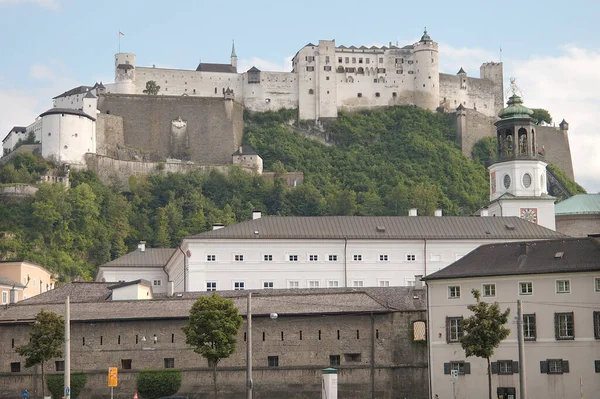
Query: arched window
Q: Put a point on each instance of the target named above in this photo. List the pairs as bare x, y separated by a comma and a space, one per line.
381, 79
377, 95
360, 71
340, 69
216, 90
311, 91
533, 146
523, 147
350, 79
394, 94
359, 95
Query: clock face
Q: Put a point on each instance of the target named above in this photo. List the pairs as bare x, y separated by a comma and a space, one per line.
529, 214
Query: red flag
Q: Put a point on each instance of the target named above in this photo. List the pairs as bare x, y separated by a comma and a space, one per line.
121, 33
543, 149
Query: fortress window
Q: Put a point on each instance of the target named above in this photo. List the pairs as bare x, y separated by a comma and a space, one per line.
49, 134
340, 69
215, 90
327, 78
354, 60
360, 60
399, 71
359, 95
340, 60
394, 94
311, 91
66, 147
327, 59
381, 60
367, 60
327, 68
310, 68
194, 91
377, 95
347, 60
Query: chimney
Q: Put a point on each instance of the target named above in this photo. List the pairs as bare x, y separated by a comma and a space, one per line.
13, 296
412, 212
523, 248
170, 288
241, 150
484, 212
142, 246
256, 214
418, 282
438, 213
218, 226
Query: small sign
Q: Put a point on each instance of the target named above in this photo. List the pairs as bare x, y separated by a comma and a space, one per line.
113, 377
25, 394
454, 373
67, 391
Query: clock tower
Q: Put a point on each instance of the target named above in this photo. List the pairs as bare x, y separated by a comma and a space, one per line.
518, 185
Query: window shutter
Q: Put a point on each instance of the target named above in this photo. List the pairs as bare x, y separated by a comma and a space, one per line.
544, 367
494, 367
597, 365
573, 323
565, 366
447, 331
515, 367
596, 325
467, 368
555, 325
446, 368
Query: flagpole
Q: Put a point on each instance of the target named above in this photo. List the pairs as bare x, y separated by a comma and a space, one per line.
119, 33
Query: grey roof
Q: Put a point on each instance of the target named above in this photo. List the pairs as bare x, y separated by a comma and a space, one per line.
125, 66
383, 227
517, 258
207, 67
89, 95
151, 257
69, 111
254, 69
96, 305
128, 283
18, 129
246, 150
461, 71
74, 91
6, 281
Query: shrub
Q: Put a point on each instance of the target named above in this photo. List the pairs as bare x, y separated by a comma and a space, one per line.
153, 384
56, 386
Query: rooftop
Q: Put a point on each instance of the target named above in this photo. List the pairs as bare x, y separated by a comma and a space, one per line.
382, 227
580, 204
150, 257
518, 258
74, 91
8, 282
68, 111
207, 67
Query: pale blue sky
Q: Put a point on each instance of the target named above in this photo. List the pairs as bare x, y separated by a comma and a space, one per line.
49, 46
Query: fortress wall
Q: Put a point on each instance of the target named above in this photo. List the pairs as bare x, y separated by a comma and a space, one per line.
276, 90
177, 82
347, 92
557, 150
478, 94
213, 126
109, 134
474, 127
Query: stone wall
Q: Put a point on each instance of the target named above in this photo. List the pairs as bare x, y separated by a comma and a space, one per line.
30, 148
472, 126
17, 191
578, 225
303, 345
213, 126
557, 151
109, 134
473, 93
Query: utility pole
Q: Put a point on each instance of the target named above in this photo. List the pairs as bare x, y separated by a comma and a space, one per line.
67, 377
521, 339
249, 347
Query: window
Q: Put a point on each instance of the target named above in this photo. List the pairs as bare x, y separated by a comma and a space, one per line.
563, 326
169, 362
411, 257
529, 327
347, 60
334, 360
239, 258
4, 297
359, 95
384, 283
310, 58
505, 366
461, 367
267, 284
383, 258
454, 291
211, 286
597, 284
15, 367
333, 258
327, 68
126, 364
211, 258
311, 91
563, 286
489, 290
293, 284
381, 60
354, 60
293, 258
157, 282
238, 285
453, 329
360, 60
313, 283
333, 283
340, 59
273, 361
597, 325
313, 258
526, 288
268, 258
358, 283
357, 258
367, 60
419, 331
59, 365
377, 94
554, 366
352, 357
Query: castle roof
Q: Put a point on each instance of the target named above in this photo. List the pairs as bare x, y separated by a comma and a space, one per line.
461, 71
245, 150
425, 37
89, 95
69, 111
254, 69
223, 68
75, 91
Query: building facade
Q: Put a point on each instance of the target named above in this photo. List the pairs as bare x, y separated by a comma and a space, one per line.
375, 338
579, 215
35, 279
558, 283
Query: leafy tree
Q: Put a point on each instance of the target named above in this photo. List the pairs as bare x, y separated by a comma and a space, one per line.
46, 339
485, 151
212, 330
541, 115
154, 384
483, 331
161, 237
152, 88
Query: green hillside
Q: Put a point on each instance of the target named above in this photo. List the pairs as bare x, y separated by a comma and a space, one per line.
383, 163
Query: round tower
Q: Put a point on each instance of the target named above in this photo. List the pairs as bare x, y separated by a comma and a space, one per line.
125, 73
427, 73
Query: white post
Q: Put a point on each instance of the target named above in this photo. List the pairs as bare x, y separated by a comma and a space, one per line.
329, 385
521, 346
67, 380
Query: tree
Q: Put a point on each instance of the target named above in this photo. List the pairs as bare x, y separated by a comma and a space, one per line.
152, 88
153, 384
484, 331
541, 115
45, 341
212, 330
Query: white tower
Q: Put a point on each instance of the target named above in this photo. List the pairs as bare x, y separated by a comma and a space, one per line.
427, 73
518, 185
125, 73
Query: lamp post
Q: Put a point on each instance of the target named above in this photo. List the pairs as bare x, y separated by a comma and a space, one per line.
273, 316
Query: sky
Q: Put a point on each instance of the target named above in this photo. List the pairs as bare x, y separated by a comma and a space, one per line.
551, 47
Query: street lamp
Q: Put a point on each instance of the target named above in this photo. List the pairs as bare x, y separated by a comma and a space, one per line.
273, 316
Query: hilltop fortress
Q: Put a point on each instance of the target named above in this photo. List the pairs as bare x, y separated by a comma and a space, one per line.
195, 121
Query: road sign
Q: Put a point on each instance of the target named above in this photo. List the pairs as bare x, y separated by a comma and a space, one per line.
25, 394
113, 377
67, 391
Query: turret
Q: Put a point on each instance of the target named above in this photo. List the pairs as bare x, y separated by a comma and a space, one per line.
427, 74
493, 71
125, 73
90, 104
233, 56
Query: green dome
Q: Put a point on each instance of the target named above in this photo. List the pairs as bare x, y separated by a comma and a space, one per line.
515, 109
425, 37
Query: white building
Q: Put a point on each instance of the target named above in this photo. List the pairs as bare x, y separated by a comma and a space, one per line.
558, 282
12, 138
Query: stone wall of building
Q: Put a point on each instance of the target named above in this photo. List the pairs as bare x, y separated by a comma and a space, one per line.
555, 143
109, 134
17, 191
472, 126
303, 345
473, 93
